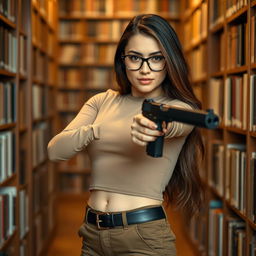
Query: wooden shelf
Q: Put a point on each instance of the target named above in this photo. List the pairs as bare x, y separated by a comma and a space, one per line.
217, 74
89, 40
188, 13
100, 17
233, 17
23, 130
8, 181
236, 130
217, 27
7, 22
7, 126
86, 65
237, 70
219, 54
7, 73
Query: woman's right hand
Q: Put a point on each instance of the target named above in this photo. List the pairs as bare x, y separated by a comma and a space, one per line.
143, 130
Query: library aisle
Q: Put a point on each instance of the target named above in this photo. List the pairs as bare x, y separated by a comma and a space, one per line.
56, 54
70, 213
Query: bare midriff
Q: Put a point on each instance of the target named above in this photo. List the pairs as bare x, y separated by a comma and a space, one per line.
114, 202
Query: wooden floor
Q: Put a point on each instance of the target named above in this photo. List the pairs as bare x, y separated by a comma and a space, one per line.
70, 213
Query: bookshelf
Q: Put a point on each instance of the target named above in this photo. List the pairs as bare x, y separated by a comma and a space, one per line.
27, 88
221, 39
88, 34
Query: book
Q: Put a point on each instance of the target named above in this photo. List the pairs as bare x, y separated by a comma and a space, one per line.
7, 209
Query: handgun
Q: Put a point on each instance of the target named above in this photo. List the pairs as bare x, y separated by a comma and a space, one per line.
159, 113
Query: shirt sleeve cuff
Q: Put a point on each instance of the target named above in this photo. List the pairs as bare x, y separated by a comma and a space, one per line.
96, 131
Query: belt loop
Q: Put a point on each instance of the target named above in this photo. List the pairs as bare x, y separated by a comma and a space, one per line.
124, 219
86, 213
165, 213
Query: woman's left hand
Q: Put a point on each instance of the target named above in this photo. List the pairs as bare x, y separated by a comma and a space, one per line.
143, 130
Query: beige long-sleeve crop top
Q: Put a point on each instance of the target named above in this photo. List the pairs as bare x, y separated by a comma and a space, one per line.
103, 127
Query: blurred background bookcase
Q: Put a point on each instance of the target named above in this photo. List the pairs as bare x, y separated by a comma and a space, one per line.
28, 78
88, 35
220, 46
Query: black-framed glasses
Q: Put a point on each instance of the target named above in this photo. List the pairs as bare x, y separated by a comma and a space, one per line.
133, 62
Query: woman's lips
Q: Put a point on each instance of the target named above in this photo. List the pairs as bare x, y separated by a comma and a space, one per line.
145, 81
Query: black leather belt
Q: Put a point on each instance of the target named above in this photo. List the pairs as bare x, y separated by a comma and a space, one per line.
111, 220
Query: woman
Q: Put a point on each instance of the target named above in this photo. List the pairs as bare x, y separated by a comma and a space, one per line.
125, 215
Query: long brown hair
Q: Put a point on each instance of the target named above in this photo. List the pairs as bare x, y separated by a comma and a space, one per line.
185, 187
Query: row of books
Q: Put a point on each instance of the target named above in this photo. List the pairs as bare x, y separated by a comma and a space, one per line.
236, 243
51, 74
252, 187
8, 49
198, 62
252, 100
109, 7
44, 68
253, 40
69, 101
40, 32
47, 10
23, 213
198, 229
228, 174
39, 101
70, 77
79, 162
218, 9
7, 9
216, 228
91, 29
40, 188
199, 24
7, 212
235, 176
23, 248
42, 227
218, 55
230, 162
230, 98
40, 64
41, 230
216, 12
226, 233
23, 154
96, 78
74, 183
101, 53
215, 96
40, 138
7, 155
88, 53
197, 28
7, 102
232, 6
253, 245
235, 101
23, 55
236, 46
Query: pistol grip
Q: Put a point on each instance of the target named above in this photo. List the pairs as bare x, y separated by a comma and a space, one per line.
155, 148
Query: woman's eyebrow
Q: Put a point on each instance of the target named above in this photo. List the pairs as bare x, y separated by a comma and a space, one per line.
138, 53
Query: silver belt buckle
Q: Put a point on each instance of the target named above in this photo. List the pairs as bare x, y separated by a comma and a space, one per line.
98, 221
